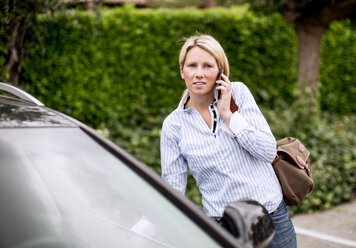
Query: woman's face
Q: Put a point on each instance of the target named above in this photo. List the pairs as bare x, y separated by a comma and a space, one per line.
199, 71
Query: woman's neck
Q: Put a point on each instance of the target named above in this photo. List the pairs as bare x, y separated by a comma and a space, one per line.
199, 102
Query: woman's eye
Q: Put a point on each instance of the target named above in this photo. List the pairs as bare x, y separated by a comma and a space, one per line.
208, 66
191, 65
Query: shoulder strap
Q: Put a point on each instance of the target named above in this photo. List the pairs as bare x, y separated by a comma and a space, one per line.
233, 106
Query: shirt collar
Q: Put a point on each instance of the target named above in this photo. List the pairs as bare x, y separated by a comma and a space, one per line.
183, 100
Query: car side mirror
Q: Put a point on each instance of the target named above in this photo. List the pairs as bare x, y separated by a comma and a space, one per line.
249, 222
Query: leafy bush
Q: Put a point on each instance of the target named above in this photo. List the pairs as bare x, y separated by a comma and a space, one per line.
337, 68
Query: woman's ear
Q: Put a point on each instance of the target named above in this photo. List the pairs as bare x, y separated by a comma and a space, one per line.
181, 73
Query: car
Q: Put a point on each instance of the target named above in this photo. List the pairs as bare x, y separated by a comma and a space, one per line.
63, 185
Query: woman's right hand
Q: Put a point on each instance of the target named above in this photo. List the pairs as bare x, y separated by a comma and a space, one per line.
224, 85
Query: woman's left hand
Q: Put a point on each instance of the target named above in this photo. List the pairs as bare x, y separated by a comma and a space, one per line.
224, 85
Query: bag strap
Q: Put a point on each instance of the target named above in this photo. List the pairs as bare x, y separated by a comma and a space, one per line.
275, 160
233, 106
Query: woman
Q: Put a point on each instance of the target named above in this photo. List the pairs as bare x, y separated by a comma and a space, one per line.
229, 154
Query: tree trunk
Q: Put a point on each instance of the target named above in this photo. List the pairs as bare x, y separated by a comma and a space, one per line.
309, 40
311, 19
306, 104
207, 4
13, 64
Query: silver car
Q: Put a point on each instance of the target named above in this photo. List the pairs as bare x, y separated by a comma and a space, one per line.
64, 185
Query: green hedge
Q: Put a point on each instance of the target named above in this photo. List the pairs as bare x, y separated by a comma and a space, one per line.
129, 58
337, 68
118, 72
126, 47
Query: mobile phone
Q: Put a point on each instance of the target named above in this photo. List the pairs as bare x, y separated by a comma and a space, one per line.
221, 71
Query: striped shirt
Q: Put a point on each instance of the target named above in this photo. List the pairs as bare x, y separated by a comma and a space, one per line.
228, 163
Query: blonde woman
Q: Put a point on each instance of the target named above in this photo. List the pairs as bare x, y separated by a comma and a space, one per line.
229, 153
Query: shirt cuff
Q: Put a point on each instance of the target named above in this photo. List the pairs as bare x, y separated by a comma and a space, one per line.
237, 124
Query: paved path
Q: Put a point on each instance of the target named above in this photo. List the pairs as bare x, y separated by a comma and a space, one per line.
335, 228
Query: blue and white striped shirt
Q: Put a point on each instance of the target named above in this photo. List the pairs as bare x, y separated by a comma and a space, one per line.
228, 163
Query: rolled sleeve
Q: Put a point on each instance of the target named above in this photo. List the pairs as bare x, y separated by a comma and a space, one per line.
237, 123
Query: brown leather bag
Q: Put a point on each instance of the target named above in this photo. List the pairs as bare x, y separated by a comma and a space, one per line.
292, 168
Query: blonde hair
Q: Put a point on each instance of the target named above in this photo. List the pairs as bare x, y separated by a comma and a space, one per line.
209, 44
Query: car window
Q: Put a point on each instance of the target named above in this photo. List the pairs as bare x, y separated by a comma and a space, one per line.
62, 180
14, 113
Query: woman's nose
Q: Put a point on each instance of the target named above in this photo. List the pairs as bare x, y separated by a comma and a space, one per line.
199, 73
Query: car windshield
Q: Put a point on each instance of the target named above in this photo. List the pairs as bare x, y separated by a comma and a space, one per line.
59, 181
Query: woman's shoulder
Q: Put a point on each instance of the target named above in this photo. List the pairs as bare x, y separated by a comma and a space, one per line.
172, 124
173, 119
238, 84
239, 88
